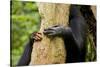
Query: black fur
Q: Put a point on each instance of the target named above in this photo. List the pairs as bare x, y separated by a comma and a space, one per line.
26, 56
74, 36
76, 41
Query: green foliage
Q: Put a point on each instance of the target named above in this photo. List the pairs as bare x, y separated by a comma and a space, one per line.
24, 20
90, 49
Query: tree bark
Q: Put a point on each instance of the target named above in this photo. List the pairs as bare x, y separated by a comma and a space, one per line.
50, 50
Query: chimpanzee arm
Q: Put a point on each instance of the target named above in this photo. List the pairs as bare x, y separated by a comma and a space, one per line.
26, 56
75, 40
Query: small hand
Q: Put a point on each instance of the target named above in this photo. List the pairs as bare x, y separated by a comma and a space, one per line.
36, 36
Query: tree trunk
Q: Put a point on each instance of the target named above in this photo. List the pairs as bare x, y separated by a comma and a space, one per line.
50, 50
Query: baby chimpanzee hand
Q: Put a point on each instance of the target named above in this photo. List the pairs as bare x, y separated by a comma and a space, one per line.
35, 36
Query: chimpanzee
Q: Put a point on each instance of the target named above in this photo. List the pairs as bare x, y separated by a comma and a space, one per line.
74, 36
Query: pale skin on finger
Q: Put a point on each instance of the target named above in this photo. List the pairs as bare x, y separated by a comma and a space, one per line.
38, 37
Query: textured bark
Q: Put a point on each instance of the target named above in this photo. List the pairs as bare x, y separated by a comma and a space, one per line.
50, 50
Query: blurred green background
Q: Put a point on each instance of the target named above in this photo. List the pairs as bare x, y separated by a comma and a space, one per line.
25, 19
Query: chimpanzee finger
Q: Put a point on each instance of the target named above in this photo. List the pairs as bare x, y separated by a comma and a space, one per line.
52, 34
51, 28
46, 32
48, 29
49, 33
38, 36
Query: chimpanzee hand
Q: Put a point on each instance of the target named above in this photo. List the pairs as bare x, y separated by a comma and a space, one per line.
54, 31
35, 36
